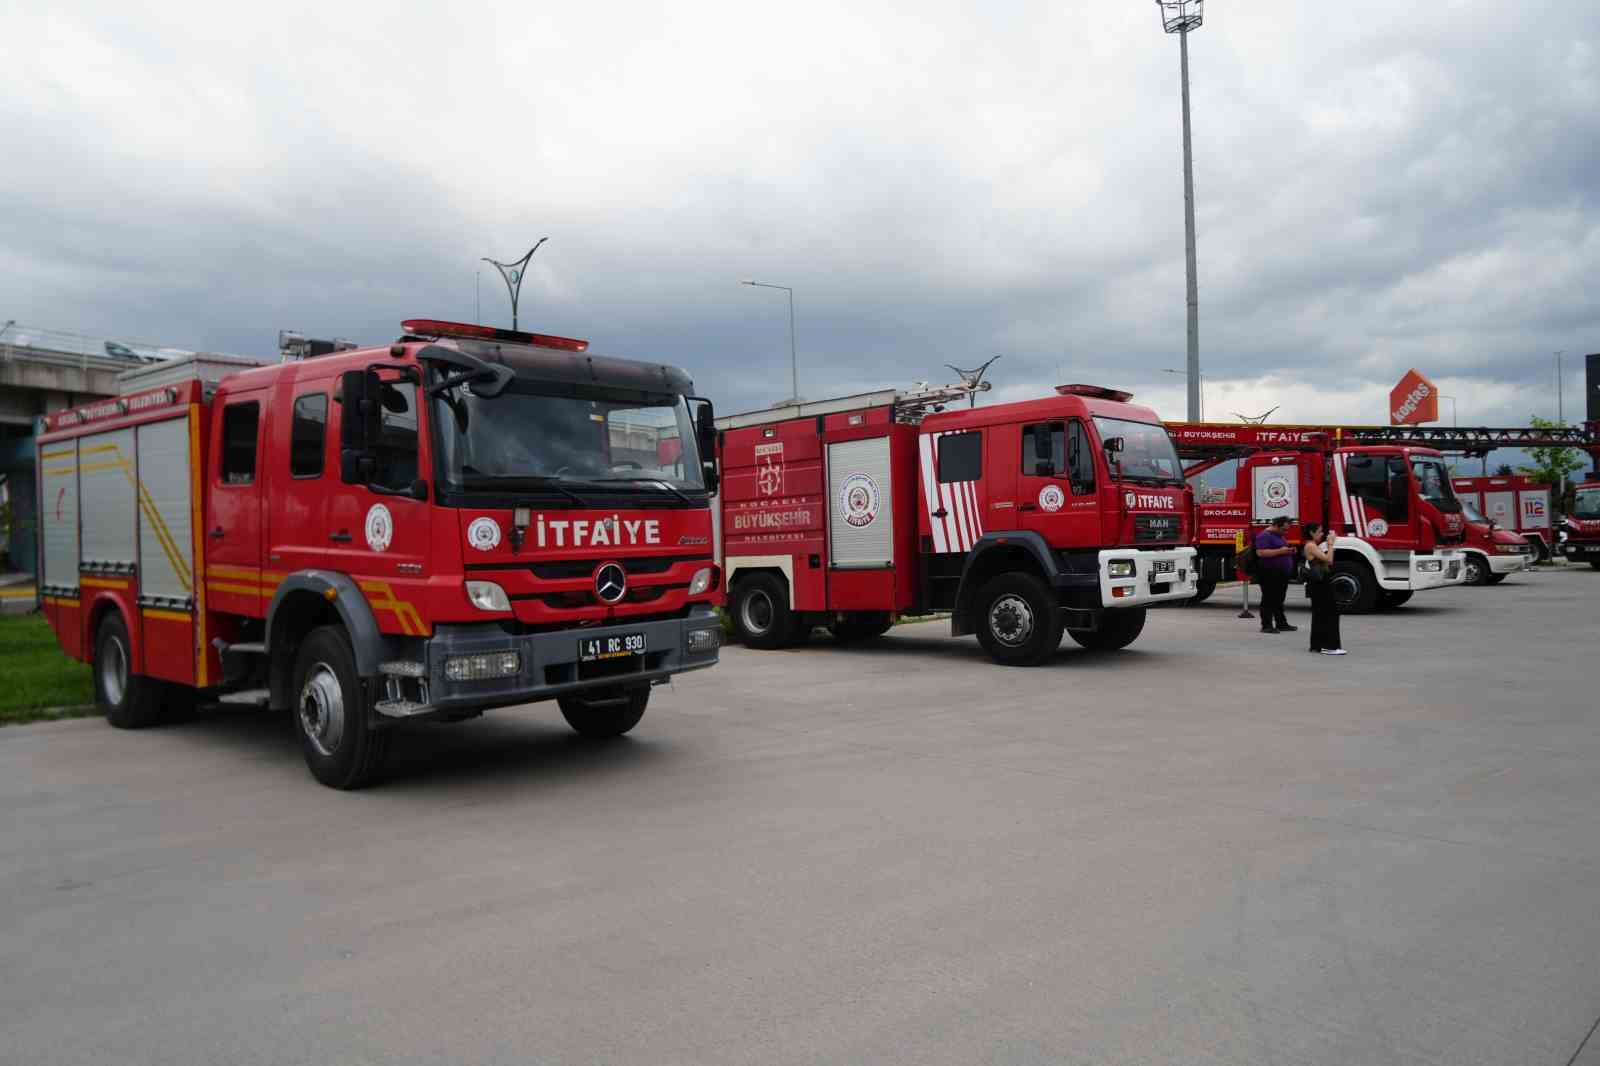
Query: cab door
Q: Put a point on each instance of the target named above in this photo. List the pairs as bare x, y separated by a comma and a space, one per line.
299, 478
233, 514
1056, 485
379, 532
1378, 500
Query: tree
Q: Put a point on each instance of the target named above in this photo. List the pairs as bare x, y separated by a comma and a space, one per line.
1503, 470
1553, 463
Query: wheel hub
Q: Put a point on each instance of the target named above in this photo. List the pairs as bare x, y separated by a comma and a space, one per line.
114, 671
322, 713
1345, 589
1011, 620
758, 612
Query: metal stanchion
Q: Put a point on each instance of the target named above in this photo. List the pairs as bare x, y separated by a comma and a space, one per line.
1244, 604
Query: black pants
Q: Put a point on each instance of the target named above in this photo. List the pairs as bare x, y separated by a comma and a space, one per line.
1274, 588
1324, 616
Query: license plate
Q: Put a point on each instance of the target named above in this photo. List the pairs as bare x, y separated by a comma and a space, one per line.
616, 646
1163, 566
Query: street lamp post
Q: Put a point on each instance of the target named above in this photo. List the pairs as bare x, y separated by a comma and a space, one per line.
794, 362
1185, 373
1179, 17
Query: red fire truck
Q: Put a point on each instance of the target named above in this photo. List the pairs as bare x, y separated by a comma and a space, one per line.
1399, 524
1512, 502
1583, 525
1025, 519
465, 519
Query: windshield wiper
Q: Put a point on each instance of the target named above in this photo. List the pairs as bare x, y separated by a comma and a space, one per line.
643, 481
516, 481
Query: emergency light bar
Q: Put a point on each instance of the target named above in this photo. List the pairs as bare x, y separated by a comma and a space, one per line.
1097, 391
433, 327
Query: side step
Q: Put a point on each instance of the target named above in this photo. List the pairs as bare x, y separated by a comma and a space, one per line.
401, 708
249, 697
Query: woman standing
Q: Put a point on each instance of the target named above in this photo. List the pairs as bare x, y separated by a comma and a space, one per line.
1324, 612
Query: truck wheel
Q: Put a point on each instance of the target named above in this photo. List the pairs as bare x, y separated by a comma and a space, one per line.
1495, 579
341, 747
1118, 629
1595, 563
761, 614
1203, 588
130, 700
608, 713
1355, 590
1388, 601
1477, 570
1019, 621
858, 627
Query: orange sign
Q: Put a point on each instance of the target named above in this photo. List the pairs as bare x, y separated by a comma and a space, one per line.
1414, 401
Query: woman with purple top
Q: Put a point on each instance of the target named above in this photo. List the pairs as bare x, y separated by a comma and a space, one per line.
1273, 573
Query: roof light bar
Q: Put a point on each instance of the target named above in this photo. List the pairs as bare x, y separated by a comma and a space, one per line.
1097, 391
433, 327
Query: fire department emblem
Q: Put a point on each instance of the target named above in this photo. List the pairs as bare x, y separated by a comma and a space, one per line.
769, 477
484, 534
380, 527
1131, 499
1276, 493
1051, 498
858, 500
1378, 528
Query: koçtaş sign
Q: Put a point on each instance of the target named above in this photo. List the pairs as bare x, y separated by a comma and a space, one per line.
1414, 401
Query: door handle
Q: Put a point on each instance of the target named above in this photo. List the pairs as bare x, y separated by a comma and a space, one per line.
343, 536
940, 513
217, 532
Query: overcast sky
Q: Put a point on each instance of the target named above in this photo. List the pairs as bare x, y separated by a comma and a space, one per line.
1378, 186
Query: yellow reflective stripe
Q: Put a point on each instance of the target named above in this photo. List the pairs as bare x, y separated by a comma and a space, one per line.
202, 649
223, 586
103, 583
167, 616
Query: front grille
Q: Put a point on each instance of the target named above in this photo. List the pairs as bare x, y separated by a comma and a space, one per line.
587, 598
565, 569
1151, 527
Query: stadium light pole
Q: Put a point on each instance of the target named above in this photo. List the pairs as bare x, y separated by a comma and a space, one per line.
1179, 17
794, 362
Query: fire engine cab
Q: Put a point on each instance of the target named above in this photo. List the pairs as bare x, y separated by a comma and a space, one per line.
1583, 525
1397, 521
465, 519
1065, 513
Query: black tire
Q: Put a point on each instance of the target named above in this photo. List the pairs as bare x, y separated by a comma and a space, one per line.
1495, 579
1388, 601
129, 700
333, 714
1541, 550
606, 713
1355, 590
1118, 629
1203, 588
761, 614
1018, 619
858, 627
1595, 563
1477, 569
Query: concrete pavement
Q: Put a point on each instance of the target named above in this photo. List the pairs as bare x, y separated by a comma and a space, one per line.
1210, 848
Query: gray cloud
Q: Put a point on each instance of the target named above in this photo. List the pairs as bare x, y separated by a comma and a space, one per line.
1378, 186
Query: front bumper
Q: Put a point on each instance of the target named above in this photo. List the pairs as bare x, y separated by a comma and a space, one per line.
1175, 581
1510, 564
1584, 550
548, 664
1423, 575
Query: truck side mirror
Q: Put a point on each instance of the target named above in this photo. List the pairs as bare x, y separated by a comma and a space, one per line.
705, 429
360, 425
1114, 445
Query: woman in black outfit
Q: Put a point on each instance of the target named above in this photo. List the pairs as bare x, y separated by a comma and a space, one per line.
1324, 613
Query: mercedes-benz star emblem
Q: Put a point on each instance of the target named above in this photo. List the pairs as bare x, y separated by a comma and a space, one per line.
610, 583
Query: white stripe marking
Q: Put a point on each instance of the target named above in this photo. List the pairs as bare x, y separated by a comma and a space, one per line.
930, 495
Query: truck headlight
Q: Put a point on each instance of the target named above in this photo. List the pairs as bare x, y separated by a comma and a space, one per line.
704, 640
484, 667
1120, 568
1430, 566
487, 596
701, 580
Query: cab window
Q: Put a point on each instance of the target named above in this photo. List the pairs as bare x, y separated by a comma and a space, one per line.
960, 457
395, 451
308, 435
1080, 460
1044, 438
239, 423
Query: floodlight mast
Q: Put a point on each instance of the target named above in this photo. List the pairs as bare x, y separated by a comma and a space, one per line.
1179, 17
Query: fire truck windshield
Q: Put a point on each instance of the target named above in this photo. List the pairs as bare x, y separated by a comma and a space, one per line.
588, 437
1433, 482
1586, 504
1147, 453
